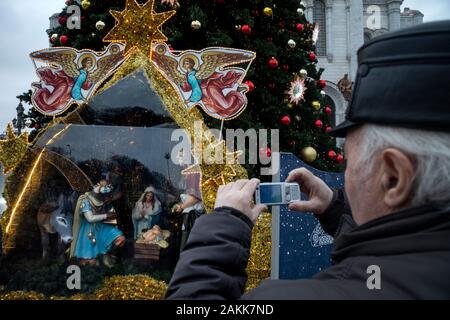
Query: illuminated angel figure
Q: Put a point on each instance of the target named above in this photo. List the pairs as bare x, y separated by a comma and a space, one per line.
71, 76
202, 80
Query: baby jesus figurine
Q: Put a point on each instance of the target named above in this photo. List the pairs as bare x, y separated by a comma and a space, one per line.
155, 236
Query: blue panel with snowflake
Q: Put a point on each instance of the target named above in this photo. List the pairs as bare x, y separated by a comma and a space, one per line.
304, 248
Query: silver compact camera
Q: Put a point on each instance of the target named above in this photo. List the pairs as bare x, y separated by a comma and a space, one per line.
276, 194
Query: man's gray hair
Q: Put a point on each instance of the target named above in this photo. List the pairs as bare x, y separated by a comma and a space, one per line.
429, 150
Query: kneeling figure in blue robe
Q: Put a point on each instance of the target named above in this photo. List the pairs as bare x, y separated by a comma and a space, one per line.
94, 230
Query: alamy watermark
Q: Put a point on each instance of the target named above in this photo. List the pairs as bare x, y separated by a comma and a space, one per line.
74, 279
374, 279
74, 17
374, 20
189, 148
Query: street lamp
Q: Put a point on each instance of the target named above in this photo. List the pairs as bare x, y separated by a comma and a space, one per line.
19, 124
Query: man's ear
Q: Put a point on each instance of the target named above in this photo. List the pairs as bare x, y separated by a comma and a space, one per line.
397, 180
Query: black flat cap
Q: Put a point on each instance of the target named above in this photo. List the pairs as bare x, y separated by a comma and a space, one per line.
403, 80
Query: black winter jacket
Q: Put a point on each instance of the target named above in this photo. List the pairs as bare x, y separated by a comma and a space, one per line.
411, 249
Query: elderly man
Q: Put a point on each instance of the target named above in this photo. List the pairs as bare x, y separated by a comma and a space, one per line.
394, 216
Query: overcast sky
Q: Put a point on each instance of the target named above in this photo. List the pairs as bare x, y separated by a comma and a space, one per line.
22, 30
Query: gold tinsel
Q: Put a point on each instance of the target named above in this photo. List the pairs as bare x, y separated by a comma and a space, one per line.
137, 287
13, 149
258, 267
132, 287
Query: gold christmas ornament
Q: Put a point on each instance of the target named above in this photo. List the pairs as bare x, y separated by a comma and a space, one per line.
100, 25
13, 149
195, 25
268, 11
309, 154
292, 44
85, 4
138, 26
316, 105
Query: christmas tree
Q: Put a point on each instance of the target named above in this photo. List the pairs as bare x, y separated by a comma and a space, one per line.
110, 134
284, 43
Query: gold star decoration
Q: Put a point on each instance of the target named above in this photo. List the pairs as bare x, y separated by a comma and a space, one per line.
13, 149
214, 173
138, 26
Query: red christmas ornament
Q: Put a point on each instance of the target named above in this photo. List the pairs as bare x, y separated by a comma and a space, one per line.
250, 85
322, 83
170, 48
328, 110
312, 56
265, 152
271, 86
62, 20
286, 120
318, 124
300, 27
340, 158
281, 24
220, 1
291, 143
255, 13
37, 126
328, 129
246, 29
286, 67
273, 63
332, 154
269, 39
64, 40
68, 2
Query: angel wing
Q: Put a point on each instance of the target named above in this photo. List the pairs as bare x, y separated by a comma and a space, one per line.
63, 58
212, 59
105, 65
169, 65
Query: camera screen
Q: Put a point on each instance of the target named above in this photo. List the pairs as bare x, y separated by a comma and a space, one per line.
270, 194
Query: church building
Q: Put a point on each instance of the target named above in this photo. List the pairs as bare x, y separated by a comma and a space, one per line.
345, 25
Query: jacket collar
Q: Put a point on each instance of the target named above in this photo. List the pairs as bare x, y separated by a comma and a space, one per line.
421, 229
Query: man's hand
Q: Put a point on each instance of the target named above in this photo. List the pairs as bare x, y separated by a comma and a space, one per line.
319, 194
239, 195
